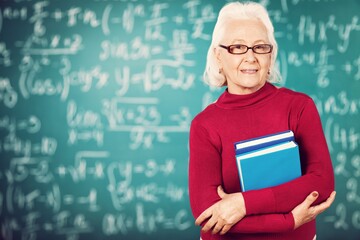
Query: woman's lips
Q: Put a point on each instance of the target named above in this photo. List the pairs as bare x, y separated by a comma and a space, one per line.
249, 71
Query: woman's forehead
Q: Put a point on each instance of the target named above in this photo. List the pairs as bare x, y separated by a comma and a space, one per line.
246, 30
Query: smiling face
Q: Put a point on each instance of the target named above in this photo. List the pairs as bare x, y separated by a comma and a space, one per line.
245, 73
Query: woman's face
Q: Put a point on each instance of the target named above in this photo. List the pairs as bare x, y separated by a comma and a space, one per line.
248, 72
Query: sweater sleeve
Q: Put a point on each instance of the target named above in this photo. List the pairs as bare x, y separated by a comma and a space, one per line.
317, 170
205, 177
204, 168
267, 223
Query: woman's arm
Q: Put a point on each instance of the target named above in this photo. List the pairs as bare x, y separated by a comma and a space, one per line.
227, 214
219, 218
204, 168
316, 165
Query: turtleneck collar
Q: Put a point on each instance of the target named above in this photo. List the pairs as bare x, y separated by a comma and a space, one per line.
234, 101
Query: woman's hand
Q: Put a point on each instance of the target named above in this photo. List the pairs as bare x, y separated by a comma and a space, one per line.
304, 212
223, 214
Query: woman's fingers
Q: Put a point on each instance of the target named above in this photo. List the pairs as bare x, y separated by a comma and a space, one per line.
304, 212
208, 212
310, 199
204, 215
221, 192
325, 205
225, 229
210, 224
221, 216
219, 225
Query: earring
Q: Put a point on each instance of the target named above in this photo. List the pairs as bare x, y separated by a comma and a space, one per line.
269, 71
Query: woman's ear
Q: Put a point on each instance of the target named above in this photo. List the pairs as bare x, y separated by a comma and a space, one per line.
218, 57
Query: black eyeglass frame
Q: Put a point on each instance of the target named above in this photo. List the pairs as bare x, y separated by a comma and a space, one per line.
252, 48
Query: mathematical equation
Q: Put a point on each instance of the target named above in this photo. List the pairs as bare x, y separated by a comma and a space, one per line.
119, 180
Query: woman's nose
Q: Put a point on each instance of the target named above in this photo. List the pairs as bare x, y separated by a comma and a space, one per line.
250, 56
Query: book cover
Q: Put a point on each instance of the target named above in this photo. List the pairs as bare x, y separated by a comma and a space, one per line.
264, 141
269, 166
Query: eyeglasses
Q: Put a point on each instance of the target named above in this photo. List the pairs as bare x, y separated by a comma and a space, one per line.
242, 49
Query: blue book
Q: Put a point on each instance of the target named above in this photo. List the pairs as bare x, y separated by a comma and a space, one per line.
263, 141
269, 166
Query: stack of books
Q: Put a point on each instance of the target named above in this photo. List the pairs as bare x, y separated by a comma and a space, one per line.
267, 161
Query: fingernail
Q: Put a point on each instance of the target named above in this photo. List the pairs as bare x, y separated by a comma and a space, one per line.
315, 194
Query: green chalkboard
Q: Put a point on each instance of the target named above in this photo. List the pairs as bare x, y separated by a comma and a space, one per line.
96, 100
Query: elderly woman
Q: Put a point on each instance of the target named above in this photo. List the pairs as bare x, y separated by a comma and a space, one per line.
242, 57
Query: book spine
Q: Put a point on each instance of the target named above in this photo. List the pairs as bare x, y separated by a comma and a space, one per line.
263, 145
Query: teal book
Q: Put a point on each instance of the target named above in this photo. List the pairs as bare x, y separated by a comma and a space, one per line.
269, 166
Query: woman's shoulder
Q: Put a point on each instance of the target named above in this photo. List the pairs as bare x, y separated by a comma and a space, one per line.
297, 100
284, 91
208, 114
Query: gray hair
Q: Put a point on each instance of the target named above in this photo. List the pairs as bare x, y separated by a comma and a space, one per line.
237, 10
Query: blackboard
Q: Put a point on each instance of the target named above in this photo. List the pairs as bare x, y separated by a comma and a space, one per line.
96, 99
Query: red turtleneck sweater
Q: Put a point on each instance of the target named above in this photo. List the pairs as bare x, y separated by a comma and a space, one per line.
212, 160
